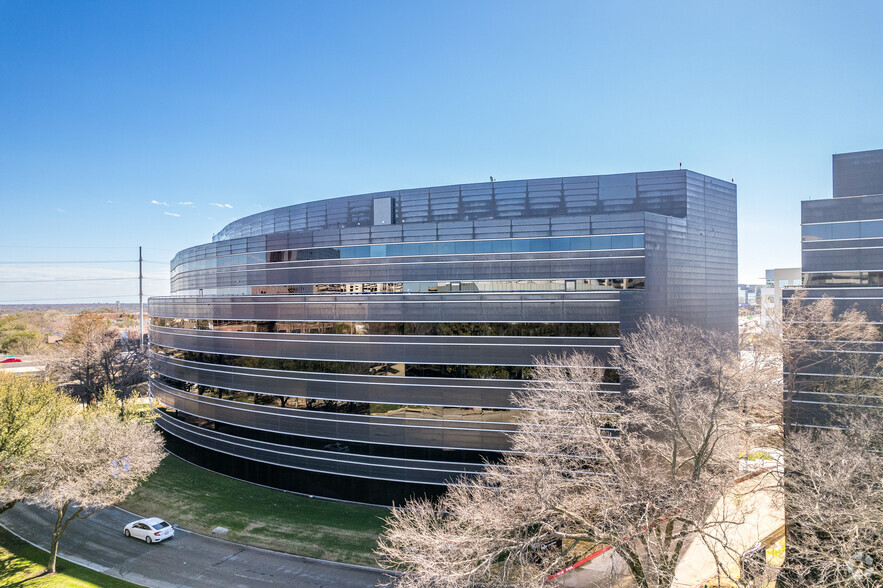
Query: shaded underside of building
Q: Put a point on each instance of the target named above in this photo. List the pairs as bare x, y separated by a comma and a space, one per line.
367, 347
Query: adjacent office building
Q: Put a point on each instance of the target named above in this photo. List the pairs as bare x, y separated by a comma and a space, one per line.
366, 347
842, 251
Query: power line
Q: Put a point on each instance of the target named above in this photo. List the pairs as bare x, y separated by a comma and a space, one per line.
3, 281
25, 262
66, 247
51, 247
29, 301
80, 262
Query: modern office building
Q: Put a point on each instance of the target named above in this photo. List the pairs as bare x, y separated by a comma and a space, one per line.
842, 258
366, 347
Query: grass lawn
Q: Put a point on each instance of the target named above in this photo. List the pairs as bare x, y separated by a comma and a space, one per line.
20, 562
200, 500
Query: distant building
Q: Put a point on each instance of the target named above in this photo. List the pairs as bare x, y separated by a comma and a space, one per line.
748, 294
771, 295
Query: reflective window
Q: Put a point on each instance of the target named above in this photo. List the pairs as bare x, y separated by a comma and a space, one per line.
386, 328
400, 411
619, 283
842, 279
588, 243
335, 445
869, 229
493, 372
353, 367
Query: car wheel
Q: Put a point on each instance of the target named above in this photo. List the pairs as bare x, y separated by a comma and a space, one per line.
147, 539
127, 533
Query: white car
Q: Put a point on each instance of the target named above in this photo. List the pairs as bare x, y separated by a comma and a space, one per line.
152, 530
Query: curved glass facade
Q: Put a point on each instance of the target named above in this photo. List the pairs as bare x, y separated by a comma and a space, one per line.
366, 348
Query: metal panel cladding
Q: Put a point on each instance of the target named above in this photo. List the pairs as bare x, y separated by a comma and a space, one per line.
367, 347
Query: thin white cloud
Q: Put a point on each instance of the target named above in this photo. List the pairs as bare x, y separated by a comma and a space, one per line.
109, 201
221, 205
190, 204
171, 213
59, 209
158, 202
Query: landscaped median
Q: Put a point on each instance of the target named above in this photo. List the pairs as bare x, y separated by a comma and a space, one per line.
21, 565
200, 500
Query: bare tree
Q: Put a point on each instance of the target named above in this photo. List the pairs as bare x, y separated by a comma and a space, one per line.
93, 460
639, 472
825, 353
95, 357
834, 491
29, 411
811, 337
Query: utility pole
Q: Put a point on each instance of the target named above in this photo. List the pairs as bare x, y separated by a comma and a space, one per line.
140, 300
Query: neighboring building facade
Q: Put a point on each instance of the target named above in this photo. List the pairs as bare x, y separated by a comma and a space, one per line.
842, 257
771, 295
366, 347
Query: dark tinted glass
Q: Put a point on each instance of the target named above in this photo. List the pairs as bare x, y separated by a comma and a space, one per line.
381, 328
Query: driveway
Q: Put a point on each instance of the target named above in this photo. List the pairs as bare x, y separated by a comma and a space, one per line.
189, 559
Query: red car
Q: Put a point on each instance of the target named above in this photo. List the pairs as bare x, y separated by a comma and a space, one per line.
10, 360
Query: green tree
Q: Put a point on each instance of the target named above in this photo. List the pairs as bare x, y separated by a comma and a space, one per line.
93, 459
18, 335
30, 410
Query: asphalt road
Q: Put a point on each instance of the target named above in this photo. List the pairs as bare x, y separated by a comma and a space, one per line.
189, 559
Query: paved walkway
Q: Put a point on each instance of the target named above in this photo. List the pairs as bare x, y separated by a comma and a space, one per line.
755, 511
189, 559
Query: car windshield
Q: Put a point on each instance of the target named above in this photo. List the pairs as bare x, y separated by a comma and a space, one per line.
160, 525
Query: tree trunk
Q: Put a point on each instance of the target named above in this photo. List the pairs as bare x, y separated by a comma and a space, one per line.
56, 536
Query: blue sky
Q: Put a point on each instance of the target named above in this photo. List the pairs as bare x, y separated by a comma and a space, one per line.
156, 123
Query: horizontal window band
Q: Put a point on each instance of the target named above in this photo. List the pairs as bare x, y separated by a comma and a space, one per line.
368, 413
211, 452
407, 298
824, 249
371, 449
179, 369
446, 287
841, 222
505, 420
201, 335
837, 279
842, 404
264, 252
426, 248
159, 362
385, 473
460, 329
360, 367
296, 266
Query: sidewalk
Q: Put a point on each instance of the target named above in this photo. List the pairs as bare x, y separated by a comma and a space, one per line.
756, 513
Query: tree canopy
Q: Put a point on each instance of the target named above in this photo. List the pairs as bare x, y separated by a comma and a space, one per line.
639, 472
